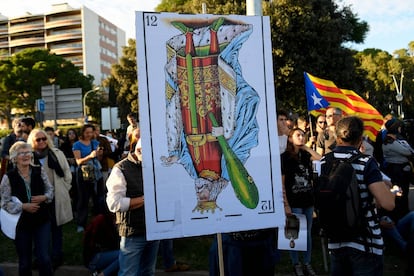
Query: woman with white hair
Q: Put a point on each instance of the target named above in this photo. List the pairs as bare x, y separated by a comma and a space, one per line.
57, 168
30, 184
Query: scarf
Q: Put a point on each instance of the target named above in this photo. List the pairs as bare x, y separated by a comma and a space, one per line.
52, 161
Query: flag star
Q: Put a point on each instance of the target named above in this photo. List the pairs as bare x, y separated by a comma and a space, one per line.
316, 100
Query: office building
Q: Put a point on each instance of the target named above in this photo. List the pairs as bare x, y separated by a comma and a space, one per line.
80, 35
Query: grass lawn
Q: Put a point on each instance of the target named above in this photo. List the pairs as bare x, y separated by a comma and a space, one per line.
194, 251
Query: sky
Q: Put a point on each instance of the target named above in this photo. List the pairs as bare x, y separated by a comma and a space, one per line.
391, 22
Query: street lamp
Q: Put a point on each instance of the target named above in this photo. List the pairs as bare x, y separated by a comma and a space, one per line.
84, 99
399, 97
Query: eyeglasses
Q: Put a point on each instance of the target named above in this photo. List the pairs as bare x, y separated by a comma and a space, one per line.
331, 115
41, 139
322, 122
24, 153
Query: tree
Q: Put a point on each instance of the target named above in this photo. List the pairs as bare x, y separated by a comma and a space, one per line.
309, 36
23, 74
375, 68
123, 80
194, 6
306, 36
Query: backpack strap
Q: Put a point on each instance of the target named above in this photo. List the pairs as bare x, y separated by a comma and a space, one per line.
327, 166
350, 160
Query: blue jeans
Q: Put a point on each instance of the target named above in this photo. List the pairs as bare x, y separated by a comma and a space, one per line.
166, 248
402, 230
39, 235
350, 261
106, 262
137, 256
294, 255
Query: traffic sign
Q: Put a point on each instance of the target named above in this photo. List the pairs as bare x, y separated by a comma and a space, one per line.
40, 105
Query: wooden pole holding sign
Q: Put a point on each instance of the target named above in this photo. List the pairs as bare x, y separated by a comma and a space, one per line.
220, 254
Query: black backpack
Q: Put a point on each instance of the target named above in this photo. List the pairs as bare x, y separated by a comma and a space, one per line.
337, 199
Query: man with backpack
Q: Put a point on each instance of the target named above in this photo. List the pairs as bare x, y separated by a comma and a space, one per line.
345, 200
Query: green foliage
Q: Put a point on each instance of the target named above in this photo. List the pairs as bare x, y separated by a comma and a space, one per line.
306, 36
23, 74
195, 7
4, 132
123, 81
311, 36
376, 68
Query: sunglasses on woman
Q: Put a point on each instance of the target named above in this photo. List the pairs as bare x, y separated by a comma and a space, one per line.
41, 139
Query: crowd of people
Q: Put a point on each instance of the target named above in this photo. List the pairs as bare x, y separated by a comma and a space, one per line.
54, 178
387, 165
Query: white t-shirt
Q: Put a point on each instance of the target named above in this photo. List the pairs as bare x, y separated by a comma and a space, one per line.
282, 143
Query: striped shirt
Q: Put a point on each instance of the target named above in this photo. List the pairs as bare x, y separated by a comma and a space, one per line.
367, 172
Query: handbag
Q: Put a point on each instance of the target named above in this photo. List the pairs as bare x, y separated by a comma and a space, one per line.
88, 172
9, 221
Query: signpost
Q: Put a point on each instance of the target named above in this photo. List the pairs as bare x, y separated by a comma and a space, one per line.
60, 103
109, 118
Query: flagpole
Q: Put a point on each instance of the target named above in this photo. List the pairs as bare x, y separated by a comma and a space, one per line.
311, 131
310, 124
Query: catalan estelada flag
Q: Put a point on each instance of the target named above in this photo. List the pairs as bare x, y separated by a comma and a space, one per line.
321, 94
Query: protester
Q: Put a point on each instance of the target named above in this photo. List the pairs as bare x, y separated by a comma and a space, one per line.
282, 129
51, 132
86, 152
57, 169
101, 244
326, 140
397, 155
402, 234
133, 124
135, 136
105, 146
66, 147
364, 254
125, 196
379, 140
30, 184
27, 124
298, 191
303, 124
319, 127
320, 123
10, 139
110, 135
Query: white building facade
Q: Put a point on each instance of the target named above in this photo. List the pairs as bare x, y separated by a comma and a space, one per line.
80, 35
